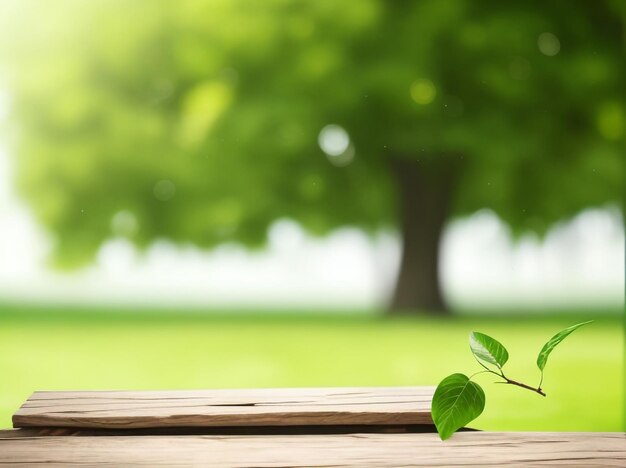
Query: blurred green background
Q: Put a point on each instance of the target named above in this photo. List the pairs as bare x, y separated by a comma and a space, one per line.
203, 125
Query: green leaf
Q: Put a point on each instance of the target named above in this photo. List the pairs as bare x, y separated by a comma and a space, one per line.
456, 402
552, 342
488, 349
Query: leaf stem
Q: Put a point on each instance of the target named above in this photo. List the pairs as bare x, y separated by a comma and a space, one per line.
511, 381
523, 385
489, 370
476, 373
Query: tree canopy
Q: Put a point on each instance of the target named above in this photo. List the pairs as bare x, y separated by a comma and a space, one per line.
204, 121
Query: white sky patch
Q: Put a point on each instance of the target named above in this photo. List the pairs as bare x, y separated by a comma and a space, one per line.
579, 264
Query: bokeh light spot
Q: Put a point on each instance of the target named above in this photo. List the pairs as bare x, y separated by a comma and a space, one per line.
333, 140
164, 190
423, 91
124, 224
548, 44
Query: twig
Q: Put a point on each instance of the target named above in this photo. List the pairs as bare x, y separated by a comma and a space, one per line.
527, 387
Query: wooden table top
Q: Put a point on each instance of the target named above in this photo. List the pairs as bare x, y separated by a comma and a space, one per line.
362, 450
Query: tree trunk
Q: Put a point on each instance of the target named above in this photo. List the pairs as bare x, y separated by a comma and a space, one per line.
424, 196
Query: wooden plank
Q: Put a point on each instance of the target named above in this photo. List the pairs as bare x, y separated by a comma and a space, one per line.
211, 408
463, 449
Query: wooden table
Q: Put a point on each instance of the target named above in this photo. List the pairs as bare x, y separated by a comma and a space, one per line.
273, 428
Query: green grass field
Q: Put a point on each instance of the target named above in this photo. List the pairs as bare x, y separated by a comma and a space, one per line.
95, 349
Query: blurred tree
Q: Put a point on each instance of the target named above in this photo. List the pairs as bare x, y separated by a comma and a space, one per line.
204, 121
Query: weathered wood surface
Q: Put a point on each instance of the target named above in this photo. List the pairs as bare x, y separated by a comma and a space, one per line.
463, 449
205, 408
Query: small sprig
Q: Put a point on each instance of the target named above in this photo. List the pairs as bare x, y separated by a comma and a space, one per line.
458, 401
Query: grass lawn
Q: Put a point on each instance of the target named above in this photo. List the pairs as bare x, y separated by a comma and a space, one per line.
97, 349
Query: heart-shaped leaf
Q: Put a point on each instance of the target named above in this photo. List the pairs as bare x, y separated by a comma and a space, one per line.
456, 402
488, 349
542, 359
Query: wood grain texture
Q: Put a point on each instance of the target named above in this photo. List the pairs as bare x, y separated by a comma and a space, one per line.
210, 408
381, 450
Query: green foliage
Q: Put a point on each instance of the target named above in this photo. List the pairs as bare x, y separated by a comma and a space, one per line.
488, 349
458, 401
222, 103
542, 358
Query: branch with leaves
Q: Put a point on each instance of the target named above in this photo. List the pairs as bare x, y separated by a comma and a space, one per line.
458, 401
